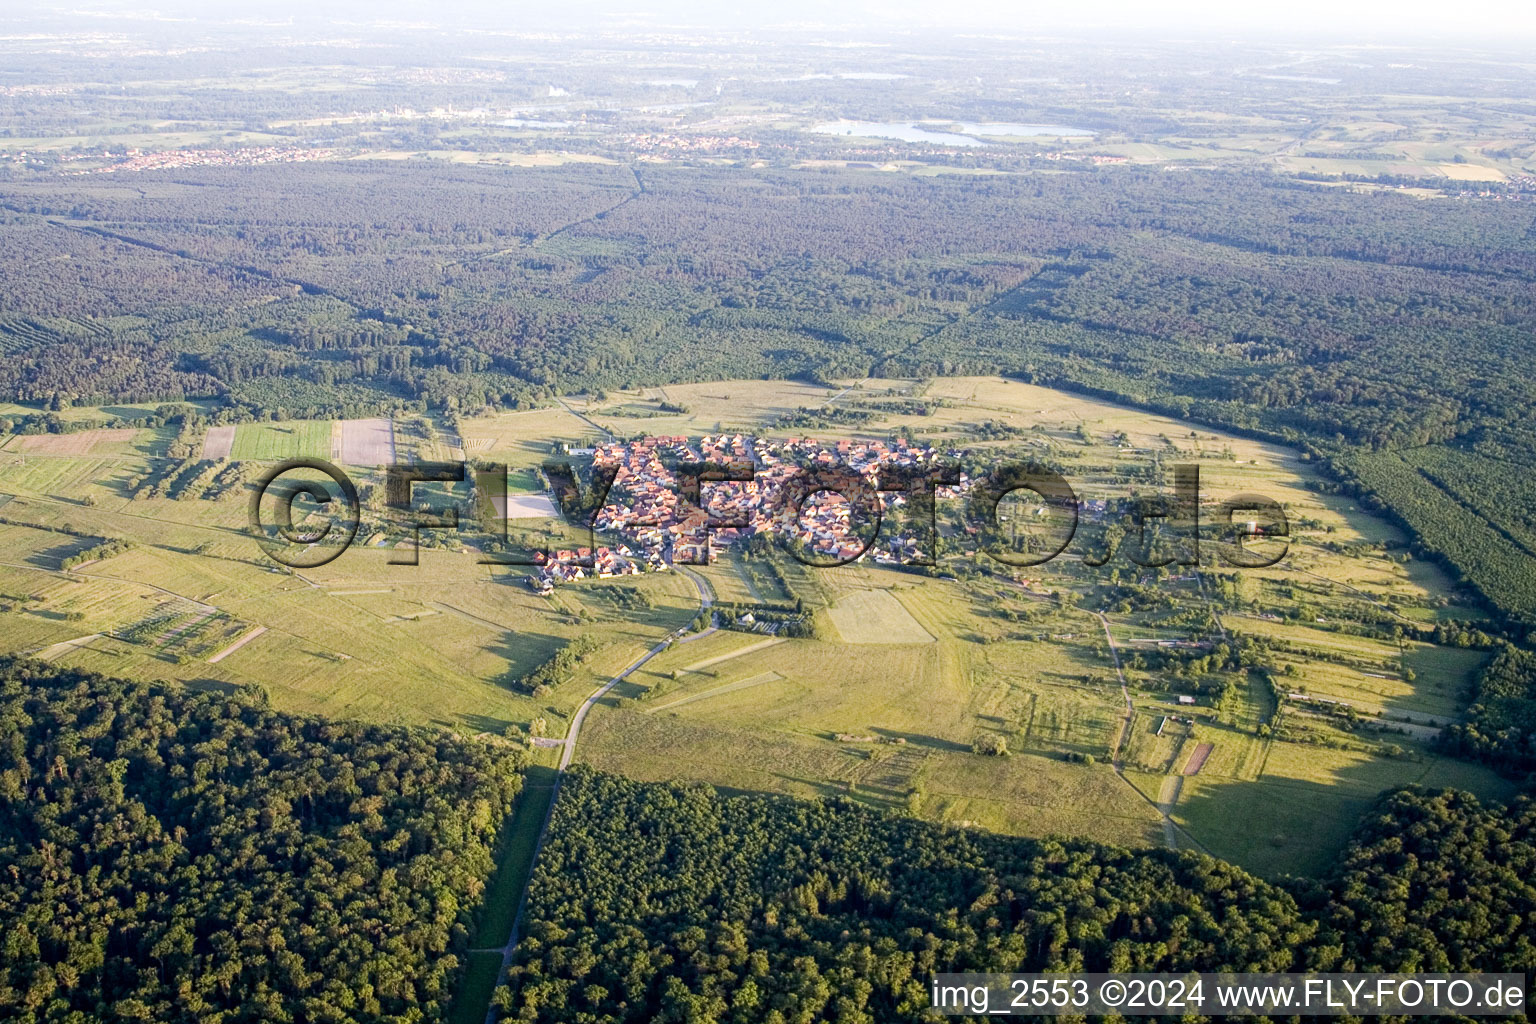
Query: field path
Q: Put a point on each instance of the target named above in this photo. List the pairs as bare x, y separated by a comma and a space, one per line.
61, 648
1165, 801
201, 605
843, 392
1167, 796
583, 417
757, 680
1125, 691
49, 499
568, 751
1215, 616
522, 897
746, 579
1197, 759
232, 648
536, 242
705, 602
708, 662
472, 617
1363, 594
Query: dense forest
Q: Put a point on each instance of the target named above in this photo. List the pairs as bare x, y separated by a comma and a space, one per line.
1295, 309
1455, 513
667, 903
1501, 723
167, 855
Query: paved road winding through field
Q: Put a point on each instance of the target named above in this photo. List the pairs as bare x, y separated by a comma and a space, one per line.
706, 600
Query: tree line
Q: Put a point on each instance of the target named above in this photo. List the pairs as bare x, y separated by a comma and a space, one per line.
656, 902
169, 855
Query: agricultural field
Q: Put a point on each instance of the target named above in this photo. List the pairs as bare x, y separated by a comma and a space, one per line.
111, 441
974, 693
875, 617
273, 441
367, 442
711, 407
218, 442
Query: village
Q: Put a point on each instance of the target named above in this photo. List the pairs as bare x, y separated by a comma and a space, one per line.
134, 159
656, 527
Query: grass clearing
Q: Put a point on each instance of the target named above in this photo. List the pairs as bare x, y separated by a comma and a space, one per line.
524, 439
876, 617
482, 973
1300, 813
1036, 796
520, 839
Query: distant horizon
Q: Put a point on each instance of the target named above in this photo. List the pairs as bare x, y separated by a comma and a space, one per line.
1308, 22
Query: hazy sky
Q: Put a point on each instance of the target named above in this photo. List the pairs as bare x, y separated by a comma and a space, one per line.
1415, 17
1363, 19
